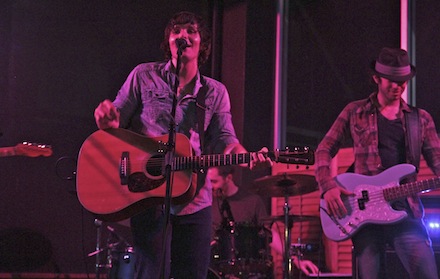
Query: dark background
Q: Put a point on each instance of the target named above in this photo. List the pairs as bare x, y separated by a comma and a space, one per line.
58, 60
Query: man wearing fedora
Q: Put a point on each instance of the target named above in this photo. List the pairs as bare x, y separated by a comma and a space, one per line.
384, 131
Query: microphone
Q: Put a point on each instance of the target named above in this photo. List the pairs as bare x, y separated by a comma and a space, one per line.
181, 43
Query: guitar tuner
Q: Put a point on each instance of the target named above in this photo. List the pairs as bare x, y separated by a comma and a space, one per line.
161, 149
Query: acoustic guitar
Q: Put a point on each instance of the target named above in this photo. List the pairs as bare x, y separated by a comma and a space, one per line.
120, 173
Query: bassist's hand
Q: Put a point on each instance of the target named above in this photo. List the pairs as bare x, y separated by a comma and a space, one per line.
335, 206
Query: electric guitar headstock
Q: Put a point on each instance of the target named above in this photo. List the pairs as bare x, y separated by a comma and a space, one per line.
27, 149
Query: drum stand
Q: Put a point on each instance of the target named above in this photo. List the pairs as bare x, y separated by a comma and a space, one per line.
296, 250
228, 222
110, 247
98, 249
285, 185
287, 260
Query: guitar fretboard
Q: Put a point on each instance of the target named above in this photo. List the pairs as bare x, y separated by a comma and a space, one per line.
205, 161
411, 188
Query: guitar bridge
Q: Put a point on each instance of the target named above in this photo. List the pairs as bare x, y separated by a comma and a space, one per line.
333, 218
340, 227
124, 168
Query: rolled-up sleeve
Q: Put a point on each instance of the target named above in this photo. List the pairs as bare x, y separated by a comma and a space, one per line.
329, 147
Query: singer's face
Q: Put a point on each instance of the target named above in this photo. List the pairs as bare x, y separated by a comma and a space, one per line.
191, 35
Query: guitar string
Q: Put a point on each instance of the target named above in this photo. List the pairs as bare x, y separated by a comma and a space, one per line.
373, 197
214, 159
379, 194
199, 160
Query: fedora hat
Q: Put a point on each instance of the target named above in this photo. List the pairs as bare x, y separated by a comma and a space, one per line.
393, 64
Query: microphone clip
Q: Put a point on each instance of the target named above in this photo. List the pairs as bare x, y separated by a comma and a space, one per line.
181, 44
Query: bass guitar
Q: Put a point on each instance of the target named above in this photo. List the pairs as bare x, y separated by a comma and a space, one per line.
26, 149
120, 173
371, 202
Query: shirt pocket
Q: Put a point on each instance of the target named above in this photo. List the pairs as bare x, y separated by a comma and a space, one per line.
362, 132
156, 102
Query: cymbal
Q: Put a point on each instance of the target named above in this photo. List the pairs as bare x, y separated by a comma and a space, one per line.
285, 185
292, 218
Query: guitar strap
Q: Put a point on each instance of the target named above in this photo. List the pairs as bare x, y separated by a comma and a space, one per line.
201, 108
413, 135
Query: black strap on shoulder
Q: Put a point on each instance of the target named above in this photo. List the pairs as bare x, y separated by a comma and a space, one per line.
413, 135
201, 108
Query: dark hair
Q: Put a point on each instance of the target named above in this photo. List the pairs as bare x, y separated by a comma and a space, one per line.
204, 31
224, 171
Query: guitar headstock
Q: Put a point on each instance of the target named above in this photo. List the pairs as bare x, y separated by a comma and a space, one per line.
297, 155
30, 149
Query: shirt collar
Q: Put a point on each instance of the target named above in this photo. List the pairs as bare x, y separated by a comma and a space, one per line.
169, 70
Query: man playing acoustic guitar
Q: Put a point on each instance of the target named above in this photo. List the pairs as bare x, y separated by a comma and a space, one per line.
385, 132
144, 104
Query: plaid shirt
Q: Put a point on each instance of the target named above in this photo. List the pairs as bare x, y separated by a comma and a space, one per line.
357, 123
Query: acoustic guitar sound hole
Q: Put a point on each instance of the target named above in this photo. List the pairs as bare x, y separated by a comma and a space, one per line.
154, 165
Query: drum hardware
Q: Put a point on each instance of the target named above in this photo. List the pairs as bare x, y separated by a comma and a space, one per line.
298, 249
229, 224
252, 257
285, 185
119, 259
212, 274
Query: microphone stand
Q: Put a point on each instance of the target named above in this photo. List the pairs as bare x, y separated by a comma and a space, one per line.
169, 157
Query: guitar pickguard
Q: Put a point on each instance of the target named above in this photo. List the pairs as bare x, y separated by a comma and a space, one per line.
374, 210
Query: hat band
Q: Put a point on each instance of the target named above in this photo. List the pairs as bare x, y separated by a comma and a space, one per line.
392, 71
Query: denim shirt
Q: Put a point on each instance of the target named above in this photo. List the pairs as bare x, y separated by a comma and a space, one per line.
145, 102
357, 123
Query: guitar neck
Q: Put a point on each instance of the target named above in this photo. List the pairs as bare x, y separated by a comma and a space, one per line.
206, 161
7, 151
411, 188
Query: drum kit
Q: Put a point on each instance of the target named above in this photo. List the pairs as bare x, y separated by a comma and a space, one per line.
250, 257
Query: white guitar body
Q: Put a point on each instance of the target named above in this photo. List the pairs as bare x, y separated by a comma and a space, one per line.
369, 205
